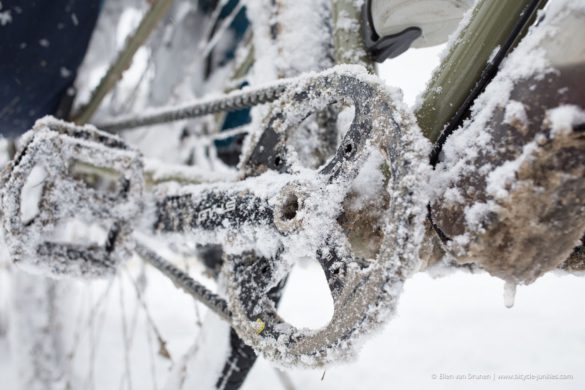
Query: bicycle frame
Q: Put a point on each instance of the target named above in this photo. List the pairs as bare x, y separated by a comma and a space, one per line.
493, 30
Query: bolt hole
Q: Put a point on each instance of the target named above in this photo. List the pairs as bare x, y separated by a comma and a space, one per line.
348, 148
290, 207
277, 161
265, 269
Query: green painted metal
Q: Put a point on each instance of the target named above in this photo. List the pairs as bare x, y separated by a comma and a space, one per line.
491, 23
347, 37
124, 59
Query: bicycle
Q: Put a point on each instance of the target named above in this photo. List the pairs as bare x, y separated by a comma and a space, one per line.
340, 88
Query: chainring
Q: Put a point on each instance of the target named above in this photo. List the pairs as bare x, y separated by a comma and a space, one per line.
364, 290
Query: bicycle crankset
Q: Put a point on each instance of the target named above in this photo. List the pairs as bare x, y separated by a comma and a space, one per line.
359, 215
54, 204
282, 212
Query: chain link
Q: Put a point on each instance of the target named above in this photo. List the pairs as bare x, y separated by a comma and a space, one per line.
231, 102
181, 279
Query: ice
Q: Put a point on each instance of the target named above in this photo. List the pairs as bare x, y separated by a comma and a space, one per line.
509, 294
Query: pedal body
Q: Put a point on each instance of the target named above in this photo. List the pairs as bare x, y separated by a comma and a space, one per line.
69, 198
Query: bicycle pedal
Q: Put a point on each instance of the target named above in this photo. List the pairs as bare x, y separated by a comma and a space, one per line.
70, 196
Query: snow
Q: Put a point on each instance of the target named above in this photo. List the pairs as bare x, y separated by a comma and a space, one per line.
515, 113
405, 71
369, 183
476, 213
466, 143
458, 325
451, 325
65, 73
346, 22
49, 149
160, 172
564, 118
303, 24
5, 18
501, 178
493, 54
31, 193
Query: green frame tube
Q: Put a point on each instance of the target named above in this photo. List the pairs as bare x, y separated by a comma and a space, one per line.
490, 26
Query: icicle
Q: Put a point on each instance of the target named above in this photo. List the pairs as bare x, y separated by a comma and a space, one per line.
509, 294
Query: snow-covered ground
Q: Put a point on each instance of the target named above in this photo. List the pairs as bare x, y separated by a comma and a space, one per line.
448, 331
457, 325
454, 325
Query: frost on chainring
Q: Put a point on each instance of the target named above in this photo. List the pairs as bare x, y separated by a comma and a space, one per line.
316, 138
306, 142
363, 216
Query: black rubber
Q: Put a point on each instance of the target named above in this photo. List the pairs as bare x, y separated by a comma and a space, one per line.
390, 46
242, 357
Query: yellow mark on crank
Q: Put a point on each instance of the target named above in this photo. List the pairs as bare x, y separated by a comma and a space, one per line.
261, 326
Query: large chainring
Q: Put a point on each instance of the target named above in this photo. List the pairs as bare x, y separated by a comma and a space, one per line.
307, 213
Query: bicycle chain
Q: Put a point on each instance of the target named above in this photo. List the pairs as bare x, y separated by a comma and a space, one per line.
235, 101
182, 280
